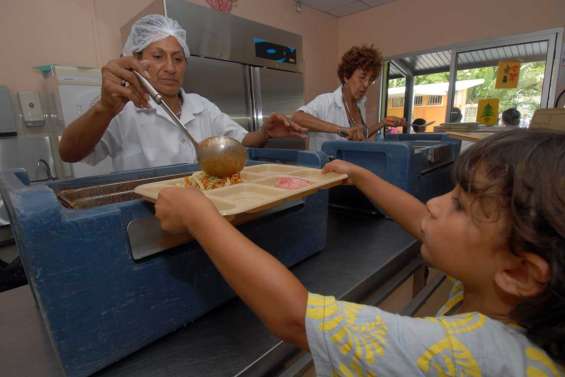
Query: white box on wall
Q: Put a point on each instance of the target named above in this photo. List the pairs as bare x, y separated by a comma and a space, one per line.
32, 111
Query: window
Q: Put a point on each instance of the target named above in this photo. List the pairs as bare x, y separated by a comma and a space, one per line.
518, 74
483, 65
435, 100
395, 94
469, 113
427, 89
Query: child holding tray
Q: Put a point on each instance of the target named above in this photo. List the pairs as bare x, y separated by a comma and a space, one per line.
500, 233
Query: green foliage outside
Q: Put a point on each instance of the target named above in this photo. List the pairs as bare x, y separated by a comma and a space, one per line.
396, 83
526, 97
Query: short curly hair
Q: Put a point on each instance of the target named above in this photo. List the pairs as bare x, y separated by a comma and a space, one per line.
367, 58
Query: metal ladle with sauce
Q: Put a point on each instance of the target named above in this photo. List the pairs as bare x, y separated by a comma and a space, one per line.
219, 156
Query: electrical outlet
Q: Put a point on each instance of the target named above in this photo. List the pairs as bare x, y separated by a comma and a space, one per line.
31, 107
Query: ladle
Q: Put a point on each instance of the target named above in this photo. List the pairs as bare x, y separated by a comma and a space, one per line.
219, 156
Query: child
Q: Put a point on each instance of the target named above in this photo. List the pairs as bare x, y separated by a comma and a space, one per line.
511, 117
500, 232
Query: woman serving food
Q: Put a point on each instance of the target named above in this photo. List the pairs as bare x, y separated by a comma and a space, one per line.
340, 115
129, 127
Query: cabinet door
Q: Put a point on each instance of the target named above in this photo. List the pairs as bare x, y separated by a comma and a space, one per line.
281, 92
224, 83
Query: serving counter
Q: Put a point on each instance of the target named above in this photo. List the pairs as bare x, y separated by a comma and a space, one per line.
365, 258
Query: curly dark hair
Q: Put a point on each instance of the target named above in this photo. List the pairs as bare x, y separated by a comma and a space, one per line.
367, 58
526, 174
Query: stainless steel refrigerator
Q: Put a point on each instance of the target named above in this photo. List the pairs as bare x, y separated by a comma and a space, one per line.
249, 70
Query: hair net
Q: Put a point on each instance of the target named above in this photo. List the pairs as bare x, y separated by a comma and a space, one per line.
153, 28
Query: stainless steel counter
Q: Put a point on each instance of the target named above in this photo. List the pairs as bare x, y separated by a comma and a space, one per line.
365, 258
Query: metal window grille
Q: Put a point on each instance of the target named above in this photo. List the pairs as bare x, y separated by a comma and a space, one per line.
435, 100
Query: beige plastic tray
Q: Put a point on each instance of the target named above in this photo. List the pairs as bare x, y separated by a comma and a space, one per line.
258, 190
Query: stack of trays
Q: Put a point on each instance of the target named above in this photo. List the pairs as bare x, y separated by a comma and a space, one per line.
462, 127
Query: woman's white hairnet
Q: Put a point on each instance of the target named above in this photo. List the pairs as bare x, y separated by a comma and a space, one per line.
153, 28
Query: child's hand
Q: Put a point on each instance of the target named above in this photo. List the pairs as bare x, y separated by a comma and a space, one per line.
343, 167
181, 209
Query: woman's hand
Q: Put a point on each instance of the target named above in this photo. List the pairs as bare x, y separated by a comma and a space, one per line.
181, 210
392, 121
343, 167
120, 85
352, 133
356, 134
278, 125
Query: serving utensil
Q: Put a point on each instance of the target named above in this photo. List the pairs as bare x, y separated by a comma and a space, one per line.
219, 156
419, 124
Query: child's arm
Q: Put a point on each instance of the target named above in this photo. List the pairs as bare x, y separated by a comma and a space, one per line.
405, 209
262, 282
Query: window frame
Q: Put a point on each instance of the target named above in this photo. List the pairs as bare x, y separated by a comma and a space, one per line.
554, 38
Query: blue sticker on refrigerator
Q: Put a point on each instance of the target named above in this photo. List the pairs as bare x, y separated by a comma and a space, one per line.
272, 51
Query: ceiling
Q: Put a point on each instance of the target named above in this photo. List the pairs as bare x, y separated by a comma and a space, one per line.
439, 61
340, 8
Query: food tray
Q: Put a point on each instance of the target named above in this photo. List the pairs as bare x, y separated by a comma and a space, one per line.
258, 191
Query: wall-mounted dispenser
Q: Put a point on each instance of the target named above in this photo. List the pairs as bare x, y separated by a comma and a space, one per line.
32, 111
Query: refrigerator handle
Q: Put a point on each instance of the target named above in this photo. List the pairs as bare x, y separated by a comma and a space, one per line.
256, 99
248, 81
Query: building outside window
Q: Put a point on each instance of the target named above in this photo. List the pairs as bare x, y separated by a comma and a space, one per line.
397, 102
430, 100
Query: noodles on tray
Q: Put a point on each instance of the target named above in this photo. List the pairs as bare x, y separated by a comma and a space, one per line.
203, 181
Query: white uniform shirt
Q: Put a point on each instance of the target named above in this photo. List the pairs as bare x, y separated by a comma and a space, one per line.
141, 138
329, 107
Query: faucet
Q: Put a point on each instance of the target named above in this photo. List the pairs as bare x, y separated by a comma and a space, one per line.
41, 162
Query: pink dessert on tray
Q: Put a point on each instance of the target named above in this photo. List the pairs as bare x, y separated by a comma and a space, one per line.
292, 183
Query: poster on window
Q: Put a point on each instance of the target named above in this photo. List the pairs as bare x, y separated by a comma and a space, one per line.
507, 74
487, 112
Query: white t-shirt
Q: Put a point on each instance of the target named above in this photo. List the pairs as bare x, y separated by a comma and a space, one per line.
141, 138
329, 107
